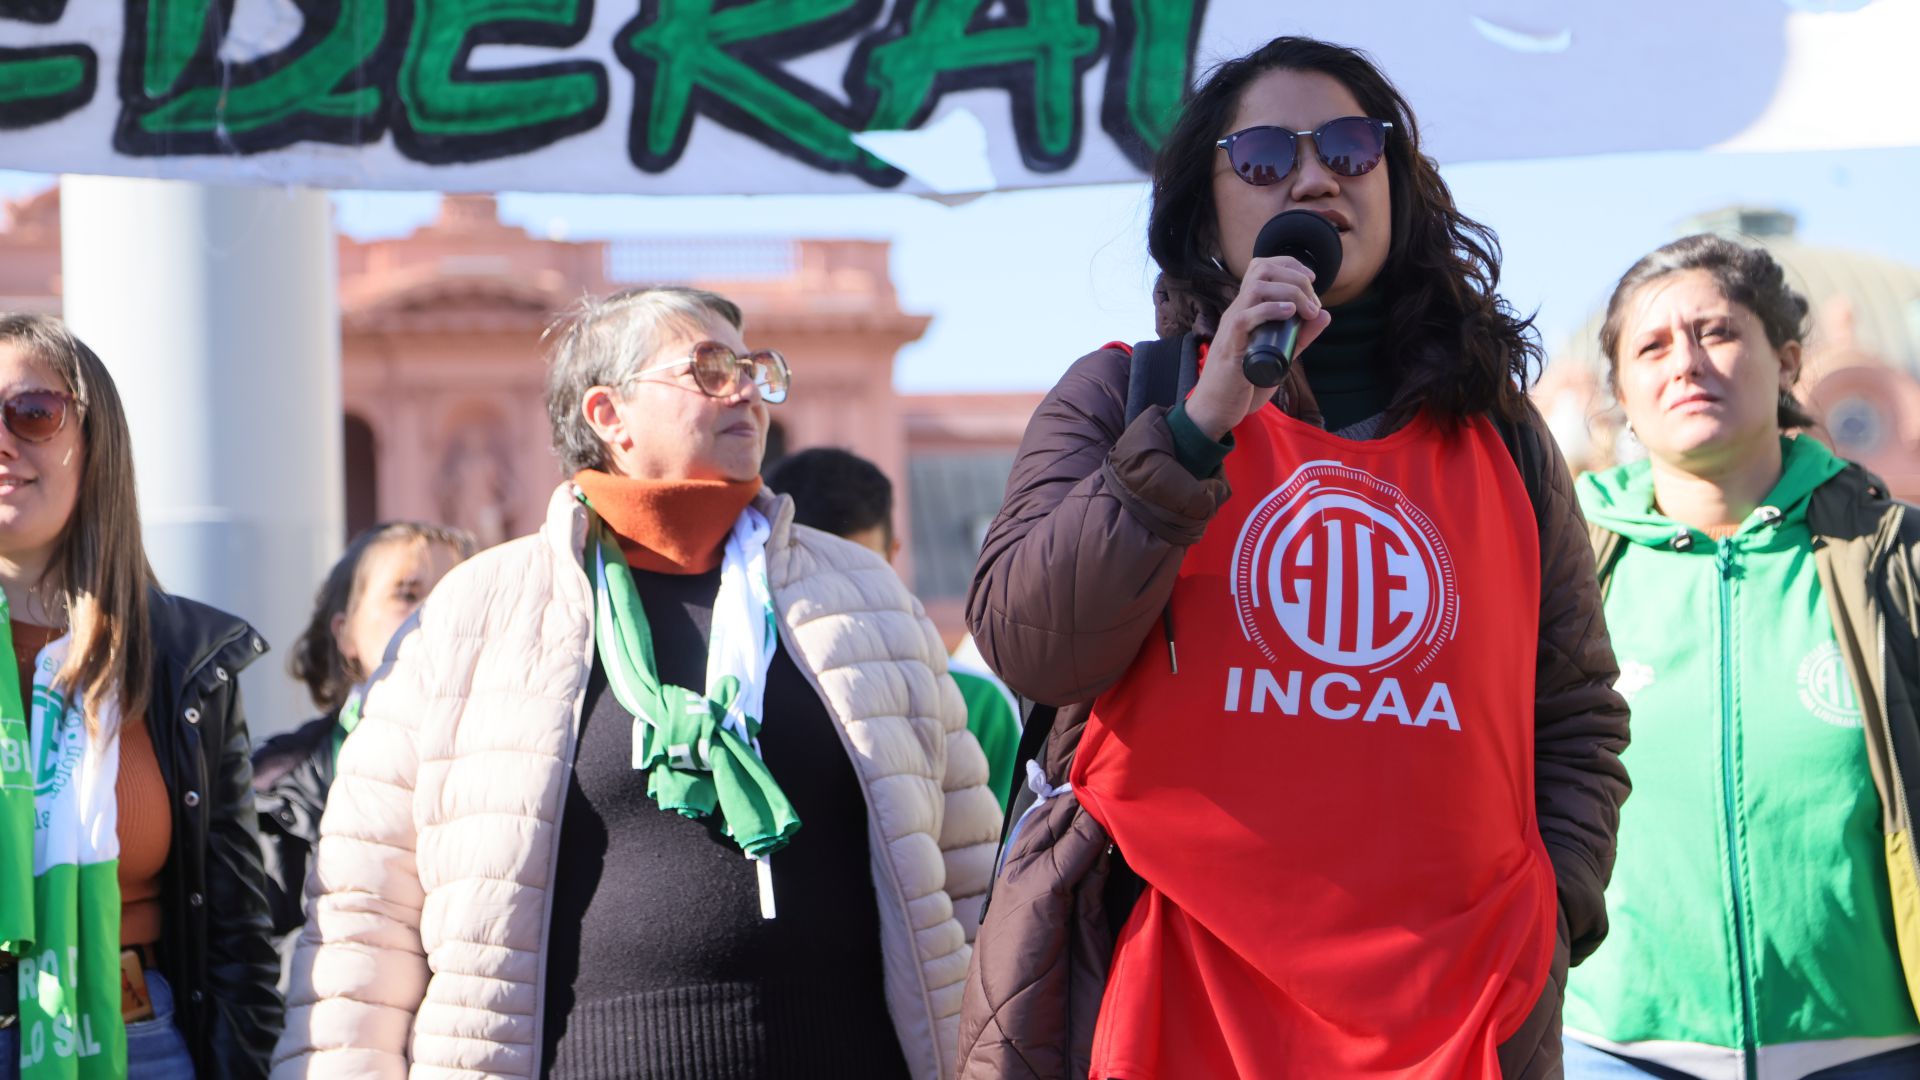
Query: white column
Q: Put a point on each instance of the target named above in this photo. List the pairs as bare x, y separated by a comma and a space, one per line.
216, 310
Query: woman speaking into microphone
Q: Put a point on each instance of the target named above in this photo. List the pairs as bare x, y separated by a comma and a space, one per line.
1334, 779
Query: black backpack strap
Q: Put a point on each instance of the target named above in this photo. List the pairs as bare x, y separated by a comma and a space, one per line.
1036, 723
1123, 886
1162, 372
1523, 444
1607, 549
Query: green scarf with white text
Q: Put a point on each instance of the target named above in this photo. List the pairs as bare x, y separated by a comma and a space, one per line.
59, 873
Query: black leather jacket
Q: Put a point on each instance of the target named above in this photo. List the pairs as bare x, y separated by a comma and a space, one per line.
214, 944
291, 774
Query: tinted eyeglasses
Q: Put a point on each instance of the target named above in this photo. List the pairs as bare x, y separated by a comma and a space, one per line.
717, 370
36, 415
1349, 146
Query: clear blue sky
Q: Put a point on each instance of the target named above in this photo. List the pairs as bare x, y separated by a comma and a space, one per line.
1021, 283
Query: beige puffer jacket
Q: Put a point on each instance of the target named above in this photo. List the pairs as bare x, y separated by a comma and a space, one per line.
426, 935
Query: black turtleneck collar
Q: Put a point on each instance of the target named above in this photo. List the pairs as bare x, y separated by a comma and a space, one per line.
1347, 365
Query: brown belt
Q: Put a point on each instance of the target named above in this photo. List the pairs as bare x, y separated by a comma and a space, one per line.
135, 1002
148, 954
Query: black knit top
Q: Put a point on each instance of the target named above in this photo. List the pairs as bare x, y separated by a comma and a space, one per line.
1346, 366
659, 964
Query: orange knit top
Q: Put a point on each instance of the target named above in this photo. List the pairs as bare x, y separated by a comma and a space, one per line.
145, 811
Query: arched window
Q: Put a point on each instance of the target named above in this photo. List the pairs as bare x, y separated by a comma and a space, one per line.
362, 476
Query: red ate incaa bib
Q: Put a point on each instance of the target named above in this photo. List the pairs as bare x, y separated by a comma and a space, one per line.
1332, 802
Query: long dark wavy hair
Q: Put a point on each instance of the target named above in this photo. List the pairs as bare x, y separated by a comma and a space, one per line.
1454, 344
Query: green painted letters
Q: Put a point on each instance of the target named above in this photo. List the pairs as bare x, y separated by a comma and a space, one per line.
687, 56
42, 84
175, 31
315, 82
450, 113
1147, 75
361, 69
935, 46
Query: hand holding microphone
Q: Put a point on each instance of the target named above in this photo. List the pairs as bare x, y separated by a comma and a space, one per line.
1276, 314
1313, 241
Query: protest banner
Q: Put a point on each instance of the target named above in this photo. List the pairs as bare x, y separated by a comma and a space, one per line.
942, 96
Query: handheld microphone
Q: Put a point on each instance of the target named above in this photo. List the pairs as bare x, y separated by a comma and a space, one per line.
1314, 241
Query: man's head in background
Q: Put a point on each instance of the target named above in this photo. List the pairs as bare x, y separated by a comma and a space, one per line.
847, 495
839, 492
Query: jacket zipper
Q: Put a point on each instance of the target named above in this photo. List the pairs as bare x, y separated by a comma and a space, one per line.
1723, 561
189, 1007
171, 741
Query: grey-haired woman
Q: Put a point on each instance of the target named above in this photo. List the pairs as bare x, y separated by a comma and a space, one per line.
674, 788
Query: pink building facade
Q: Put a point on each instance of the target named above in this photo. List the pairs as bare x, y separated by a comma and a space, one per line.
443, 370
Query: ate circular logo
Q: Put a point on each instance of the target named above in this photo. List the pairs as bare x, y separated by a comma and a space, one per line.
1340, 563
1826, 690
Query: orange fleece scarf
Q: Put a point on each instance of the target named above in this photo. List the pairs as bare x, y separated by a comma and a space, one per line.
668, 526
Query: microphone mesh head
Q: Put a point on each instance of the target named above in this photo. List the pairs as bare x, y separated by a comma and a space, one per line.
1306, 236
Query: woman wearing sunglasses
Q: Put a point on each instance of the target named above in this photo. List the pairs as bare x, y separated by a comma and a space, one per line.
133, 915
1339, 793
1767, 899
673, 789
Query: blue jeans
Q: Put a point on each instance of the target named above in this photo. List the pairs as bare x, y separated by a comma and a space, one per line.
1585, 1063
155, 1048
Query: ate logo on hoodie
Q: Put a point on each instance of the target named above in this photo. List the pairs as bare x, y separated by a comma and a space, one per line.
1343, 567
1826, 690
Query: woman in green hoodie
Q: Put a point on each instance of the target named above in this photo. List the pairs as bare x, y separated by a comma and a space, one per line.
1762, 596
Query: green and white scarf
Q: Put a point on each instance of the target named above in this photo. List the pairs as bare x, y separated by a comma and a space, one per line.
348, 719
59, 874
701, 751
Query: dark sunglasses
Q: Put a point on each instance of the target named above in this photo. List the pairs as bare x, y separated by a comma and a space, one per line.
1349, 146
717, 370
36, 415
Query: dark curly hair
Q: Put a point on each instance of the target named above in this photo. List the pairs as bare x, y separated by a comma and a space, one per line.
316, 659
1747, 276
1455, 345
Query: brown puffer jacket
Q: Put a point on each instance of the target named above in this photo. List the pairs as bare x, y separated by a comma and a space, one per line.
1075, 572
